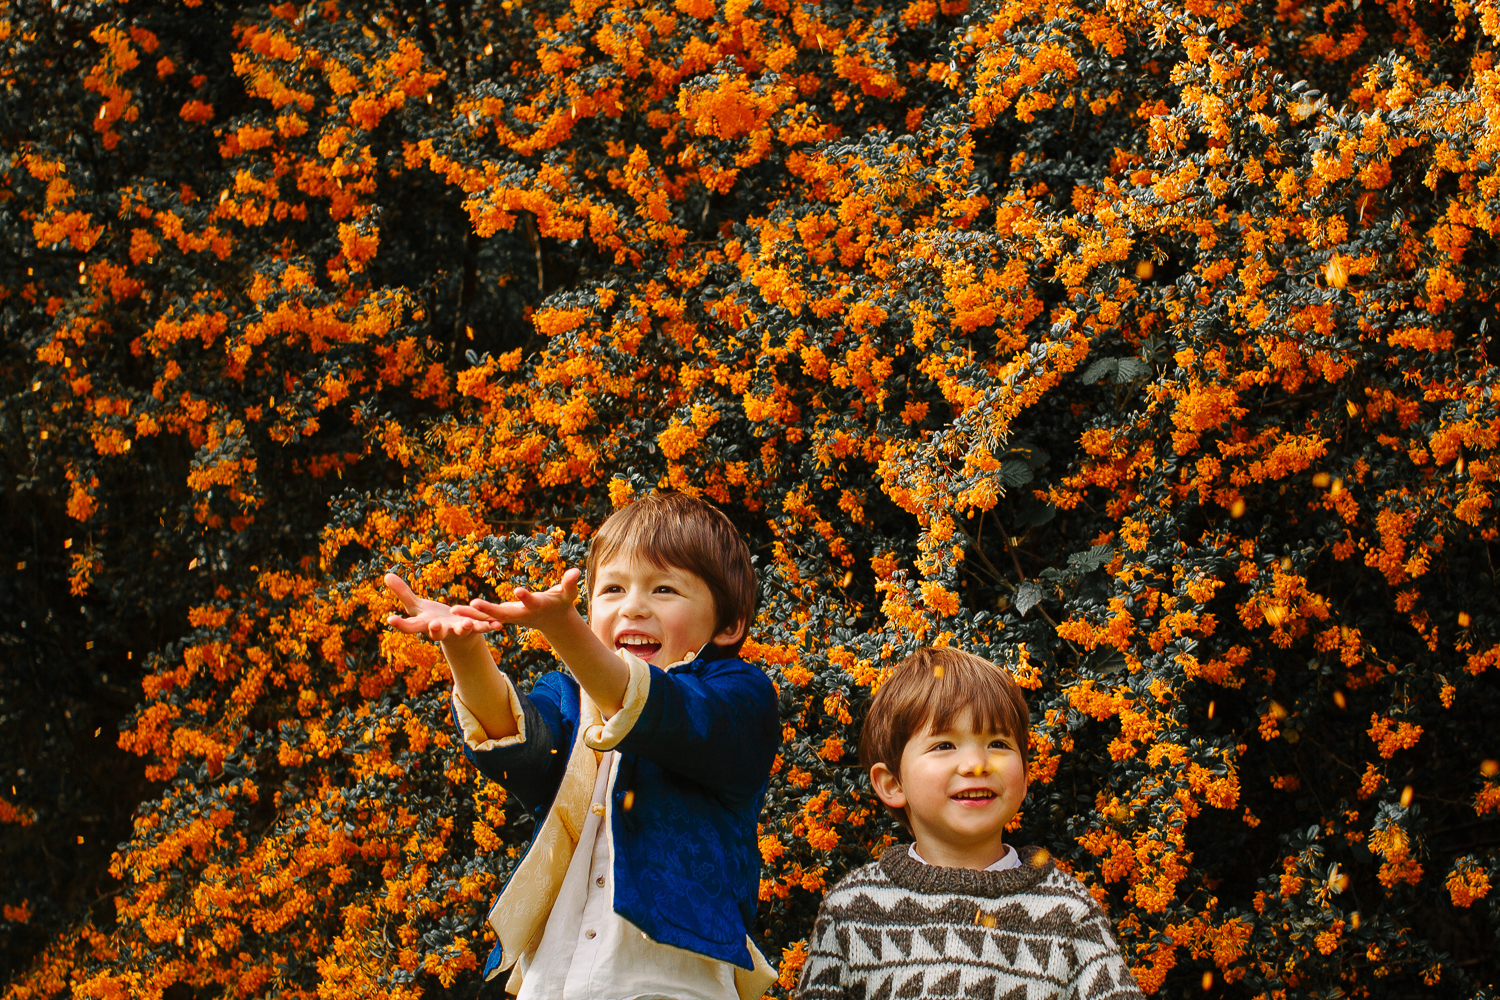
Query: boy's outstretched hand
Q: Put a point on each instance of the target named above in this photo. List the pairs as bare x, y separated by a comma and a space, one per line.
537, 610
552, 611
483, 690
431, 618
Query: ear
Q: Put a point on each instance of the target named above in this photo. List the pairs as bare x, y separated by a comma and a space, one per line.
887, 786
731, 635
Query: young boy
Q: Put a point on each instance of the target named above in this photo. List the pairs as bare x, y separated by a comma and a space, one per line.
958, 913
649, 760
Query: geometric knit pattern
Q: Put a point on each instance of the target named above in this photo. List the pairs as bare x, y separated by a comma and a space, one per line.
899, 929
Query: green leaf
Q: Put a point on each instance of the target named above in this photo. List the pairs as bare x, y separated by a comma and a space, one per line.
1028, 596
1092, 559
1015, 472
1100, 369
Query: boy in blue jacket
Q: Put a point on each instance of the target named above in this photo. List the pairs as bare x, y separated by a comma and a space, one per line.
649, 757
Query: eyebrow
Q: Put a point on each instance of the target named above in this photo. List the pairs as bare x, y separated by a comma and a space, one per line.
660, 578
943, 734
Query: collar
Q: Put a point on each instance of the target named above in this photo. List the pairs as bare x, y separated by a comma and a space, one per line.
713, 651
710, 653
909, 873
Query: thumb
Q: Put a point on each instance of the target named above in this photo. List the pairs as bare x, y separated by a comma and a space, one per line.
404, 593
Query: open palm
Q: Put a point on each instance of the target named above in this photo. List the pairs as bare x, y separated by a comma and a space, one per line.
537, 609
431, 618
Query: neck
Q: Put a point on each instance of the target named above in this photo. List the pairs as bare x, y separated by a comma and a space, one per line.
944, 855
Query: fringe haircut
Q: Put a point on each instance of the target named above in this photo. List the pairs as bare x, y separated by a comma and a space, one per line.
677, 530
934, 688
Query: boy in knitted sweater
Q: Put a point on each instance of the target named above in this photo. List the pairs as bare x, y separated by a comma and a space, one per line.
958, 913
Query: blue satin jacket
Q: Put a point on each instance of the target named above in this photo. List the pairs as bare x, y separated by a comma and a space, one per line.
695, 767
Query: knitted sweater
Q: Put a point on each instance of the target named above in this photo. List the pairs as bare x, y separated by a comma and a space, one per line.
898, 928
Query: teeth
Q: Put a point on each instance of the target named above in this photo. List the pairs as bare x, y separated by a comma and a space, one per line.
975, 795
638, 640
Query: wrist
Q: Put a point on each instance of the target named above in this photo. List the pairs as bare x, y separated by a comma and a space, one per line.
466, 642
566, 625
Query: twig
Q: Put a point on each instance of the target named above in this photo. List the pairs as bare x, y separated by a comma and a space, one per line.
1011, 548
995, 570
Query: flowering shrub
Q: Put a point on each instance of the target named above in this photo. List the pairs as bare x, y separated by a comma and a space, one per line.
1144, 348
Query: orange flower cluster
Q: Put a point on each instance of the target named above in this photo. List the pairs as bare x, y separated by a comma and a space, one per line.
1093, 338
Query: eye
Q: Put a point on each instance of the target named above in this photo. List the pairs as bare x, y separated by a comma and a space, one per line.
610, 588
942, 745
665, 589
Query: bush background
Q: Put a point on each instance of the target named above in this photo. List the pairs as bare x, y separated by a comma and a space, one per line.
1147, 348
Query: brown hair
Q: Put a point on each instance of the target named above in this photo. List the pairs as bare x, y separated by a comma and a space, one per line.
677, 530
932, 688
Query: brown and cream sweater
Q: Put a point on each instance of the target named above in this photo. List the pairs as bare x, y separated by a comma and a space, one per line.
899, 929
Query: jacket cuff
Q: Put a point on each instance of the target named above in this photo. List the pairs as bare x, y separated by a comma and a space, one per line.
609, 735
475, 736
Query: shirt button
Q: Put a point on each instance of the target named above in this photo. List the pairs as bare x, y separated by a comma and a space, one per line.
598, 809
590, 934
599, 881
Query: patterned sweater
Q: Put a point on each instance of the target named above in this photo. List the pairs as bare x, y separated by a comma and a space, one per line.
898, 928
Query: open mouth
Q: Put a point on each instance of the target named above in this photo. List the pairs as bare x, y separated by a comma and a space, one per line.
641, 645
975, 795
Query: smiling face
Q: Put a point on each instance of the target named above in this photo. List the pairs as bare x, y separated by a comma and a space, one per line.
959, 787
662, 614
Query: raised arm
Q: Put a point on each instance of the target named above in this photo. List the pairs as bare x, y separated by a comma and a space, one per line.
554, 613
479, 682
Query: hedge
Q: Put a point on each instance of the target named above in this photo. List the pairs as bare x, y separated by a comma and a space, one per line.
1142, 347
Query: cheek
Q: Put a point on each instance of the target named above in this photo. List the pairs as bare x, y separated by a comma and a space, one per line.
911, 767
685, 620
928, 782
1015, 770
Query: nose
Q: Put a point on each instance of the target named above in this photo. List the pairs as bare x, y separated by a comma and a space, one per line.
976, 763
634, 604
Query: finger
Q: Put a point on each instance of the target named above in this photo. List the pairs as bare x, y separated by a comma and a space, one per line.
509, 611
479, 621
570, 583
408, 625
402, 591
444, 628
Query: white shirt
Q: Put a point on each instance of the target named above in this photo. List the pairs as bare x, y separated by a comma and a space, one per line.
589, 952
1010, 859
